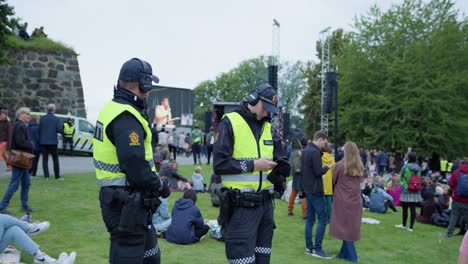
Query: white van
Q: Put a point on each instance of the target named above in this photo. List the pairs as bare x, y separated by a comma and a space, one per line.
84, 131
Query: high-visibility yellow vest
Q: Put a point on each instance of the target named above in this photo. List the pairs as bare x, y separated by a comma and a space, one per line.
68, 130
449, 166
246, 147
108, 172
443, 165
327, 160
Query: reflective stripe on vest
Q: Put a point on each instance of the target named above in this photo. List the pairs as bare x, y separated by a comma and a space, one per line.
106, 163
68, 130
246, 147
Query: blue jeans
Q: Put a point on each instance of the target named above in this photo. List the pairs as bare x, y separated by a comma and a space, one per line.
18, 175
348, 252
315, 205
13, 230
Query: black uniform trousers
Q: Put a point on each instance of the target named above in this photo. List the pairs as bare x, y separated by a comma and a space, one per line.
125, 247
67, 141
249, 234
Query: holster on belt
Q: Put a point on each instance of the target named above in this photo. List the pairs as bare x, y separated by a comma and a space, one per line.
133, 214
225, 206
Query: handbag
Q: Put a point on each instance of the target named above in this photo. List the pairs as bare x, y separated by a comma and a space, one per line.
20, 159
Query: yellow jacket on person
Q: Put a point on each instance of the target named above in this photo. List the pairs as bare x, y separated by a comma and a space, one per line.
327, 160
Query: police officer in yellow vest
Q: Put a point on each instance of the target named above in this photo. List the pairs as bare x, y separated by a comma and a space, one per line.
68, 132
244, 154
125, 170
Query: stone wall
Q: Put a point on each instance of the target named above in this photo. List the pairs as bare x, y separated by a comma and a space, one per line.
35, 79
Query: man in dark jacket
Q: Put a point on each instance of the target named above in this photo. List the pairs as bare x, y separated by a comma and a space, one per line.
49, 126
20, 141
312, 184
187, 226
382, 162
460, 203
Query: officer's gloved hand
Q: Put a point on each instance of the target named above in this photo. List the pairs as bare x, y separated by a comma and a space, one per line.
165, 191
283, 168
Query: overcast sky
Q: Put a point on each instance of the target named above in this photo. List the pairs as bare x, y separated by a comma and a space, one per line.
186, 42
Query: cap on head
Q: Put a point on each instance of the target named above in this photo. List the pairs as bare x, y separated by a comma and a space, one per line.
136, 70
267, 94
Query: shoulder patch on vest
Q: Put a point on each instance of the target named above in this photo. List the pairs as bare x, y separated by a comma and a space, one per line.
134, 139
98, 131
268, 142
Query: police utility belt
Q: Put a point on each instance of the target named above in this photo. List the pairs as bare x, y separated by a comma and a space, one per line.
248, 197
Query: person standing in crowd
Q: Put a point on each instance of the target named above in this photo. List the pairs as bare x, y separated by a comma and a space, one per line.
68, 132
5, 136
173, 143
20, 141
125, 171
196, 144
328, 160
243, 155
312, 184
296, 182
49, 126
382, 162
345, 222
460, 202
409, 199
210, 139
33, 128
443, 167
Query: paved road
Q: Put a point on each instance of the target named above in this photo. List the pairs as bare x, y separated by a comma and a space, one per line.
80, 164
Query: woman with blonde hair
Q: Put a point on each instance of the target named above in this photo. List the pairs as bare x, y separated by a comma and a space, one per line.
345, 222
394, 189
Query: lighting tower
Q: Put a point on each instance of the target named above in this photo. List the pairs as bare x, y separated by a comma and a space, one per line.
273, 75
325, 41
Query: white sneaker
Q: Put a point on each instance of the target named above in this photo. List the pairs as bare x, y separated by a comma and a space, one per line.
410, 229
401, 226
67, 259
37, 228
45, 259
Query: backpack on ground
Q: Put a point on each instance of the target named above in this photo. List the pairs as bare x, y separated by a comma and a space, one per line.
462, 185
414, 183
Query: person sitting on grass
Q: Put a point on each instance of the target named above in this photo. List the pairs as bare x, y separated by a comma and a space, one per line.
380, 201
177, 182
431, 210
394, 189
14, 230
198, 181
187, 225
161, 218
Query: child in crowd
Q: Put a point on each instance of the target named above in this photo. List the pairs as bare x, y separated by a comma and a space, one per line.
161, 218
380, 201
393, 188
187, 225
198, 181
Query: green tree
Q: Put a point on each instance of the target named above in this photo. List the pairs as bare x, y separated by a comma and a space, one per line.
232, 86
292, 85
403, 79
7, 24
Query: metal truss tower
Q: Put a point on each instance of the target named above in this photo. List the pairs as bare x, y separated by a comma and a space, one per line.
325, 41
273, 75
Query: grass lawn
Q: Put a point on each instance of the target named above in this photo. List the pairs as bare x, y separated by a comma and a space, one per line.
73, 209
